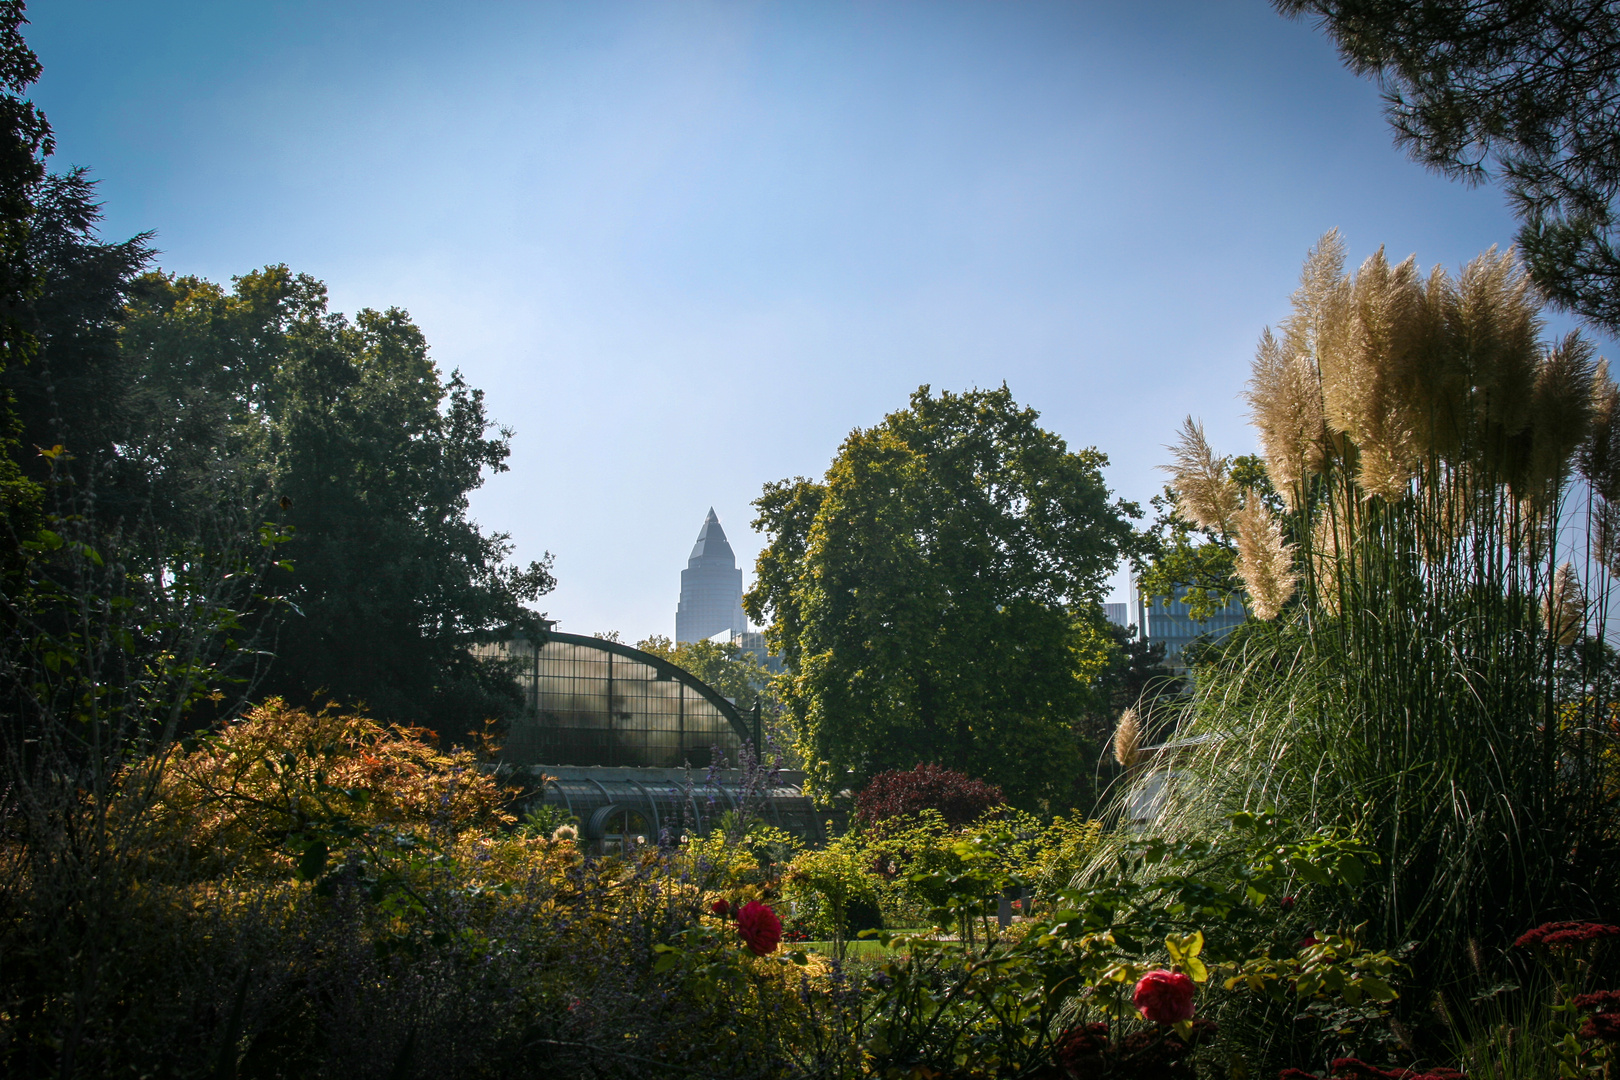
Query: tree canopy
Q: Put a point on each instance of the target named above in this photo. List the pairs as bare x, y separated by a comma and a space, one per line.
25, 141
1525, 91
730, 669
371, 454
935, 595
172, 421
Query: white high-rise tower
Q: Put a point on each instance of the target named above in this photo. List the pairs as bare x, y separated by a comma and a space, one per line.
711, 587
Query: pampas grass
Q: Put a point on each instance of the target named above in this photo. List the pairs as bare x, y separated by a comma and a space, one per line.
1445, 538
1128, 739
1205, 492
1264, 561
1285, 396
1564, 607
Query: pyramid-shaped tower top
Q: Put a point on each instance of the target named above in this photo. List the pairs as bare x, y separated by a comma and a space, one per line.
711, 548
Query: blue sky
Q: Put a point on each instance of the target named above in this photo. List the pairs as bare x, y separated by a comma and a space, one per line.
685, 247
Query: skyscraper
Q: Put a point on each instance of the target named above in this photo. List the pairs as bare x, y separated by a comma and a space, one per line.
711, 587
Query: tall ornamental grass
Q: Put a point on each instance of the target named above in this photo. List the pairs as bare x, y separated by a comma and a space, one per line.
1432, 572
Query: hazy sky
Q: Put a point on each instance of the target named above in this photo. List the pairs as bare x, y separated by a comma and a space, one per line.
685, 247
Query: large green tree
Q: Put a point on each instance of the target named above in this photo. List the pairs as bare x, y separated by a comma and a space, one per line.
79, 391
25, 141
346, 431
1524, 91
935, 596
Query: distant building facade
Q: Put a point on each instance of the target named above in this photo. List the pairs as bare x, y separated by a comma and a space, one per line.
754, 642
1118, 614
711, 588
1172, 625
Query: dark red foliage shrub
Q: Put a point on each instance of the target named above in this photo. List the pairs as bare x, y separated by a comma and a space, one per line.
1563, 935
1604, 1027
1082, 1050
1604, 1001
902, 792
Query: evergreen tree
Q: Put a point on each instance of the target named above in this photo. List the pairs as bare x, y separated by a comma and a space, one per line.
25, 141
1525, 91
79, 391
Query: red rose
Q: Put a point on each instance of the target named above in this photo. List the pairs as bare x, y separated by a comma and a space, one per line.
1165, 997
720, 908
761, 930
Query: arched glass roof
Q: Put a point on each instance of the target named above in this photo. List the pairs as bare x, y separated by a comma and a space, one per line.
596, 702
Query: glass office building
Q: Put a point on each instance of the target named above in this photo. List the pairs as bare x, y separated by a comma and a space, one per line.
595, 702
1170, 623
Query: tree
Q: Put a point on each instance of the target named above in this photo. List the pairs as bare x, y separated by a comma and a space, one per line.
1196, 560
79, 391
934, 597
259, 393
25, 141
1134, 675
1525, 90
727, 667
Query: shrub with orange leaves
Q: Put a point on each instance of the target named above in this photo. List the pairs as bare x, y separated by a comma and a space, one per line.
269, 790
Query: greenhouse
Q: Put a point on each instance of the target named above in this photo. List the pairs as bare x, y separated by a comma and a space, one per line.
590, 701
616, 808
635, 748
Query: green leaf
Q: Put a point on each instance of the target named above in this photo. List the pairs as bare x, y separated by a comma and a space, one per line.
313, 860
1377, 988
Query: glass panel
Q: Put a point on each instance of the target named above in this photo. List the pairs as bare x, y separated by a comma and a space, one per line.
588, 705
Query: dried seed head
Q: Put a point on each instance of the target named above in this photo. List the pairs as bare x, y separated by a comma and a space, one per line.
1368, 358
1561, 408
1205, 493
1128, 739
1285, 399
1606, 534
1564, 607
1264, 561
1600, 457
1495, 329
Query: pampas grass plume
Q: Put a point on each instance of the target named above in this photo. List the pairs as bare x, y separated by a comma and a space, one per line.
1205, 493
1285, 399
1600, 457
1128, 739
1264, 561
1495, 323
1562, 407
1565, 606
